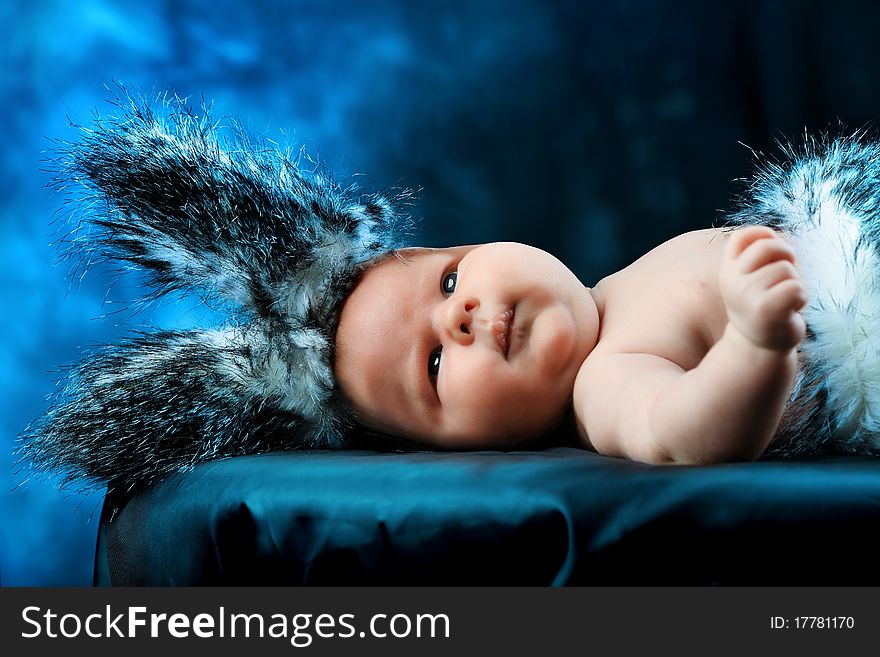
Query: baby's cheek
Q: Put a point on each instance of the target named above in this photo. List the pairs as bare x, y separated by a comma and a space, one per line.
490, 396
509, 409
553, 340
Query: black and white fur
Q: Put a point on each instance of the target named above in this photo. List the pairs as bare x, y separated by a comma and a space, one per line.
202, 209
824, 197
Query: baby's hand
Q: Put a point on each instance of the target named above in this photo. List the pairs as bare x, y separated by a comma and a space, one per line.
762, 289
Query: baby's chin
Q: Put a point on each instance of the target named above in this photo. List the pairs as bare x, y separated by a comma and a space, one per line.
560, 340
554, 342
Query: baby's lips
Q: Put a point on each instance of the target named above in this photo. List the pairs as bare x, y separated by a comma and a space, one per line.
501, 330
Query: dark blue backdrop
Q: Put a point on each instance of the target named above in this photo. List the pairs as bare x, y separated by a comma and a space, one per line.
592, 129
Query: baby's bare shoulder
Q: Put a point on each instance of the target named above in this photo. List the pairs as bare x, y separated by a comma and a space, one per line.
667, 303
661, 315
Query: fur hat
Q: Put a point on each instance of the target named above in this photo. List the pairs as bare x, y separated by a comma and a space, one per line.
204, 210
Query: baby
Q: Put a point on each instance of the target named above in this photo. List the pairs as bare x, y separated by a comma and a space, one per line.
686, 356
718, 345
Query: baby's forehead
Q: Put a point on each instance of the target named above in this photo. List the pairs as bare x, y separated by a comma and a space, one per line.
377, 357
416, 251
412, 255
392, 295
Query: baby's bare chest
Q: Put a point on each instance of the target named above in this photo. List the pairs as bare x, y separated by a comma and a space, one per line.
667, 303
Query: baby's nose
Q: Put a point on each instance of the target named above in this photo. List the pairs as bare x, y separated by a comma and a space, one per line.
459, 317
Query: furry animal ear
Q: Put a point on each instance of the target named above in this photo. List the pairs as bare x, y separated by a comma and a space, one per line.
202, 208
141, 410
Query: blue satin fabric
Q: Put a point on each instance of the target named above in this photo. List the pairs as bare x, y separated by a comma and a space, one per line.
560, 516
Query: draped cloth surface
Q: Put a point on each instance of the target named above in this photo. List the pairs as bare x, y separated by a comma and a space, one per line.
560, 516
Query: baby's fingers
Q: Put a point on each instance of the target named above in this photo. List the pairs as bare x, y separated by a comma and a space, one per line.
763, 251
779, 321
742, 238
772, 274
785, 297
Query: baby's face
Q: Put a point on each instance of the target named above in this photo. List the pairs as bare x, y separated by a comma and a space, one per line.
466, 347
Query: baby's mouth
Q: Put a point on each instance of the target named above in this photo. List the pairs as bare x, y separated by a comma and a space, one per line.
501, 326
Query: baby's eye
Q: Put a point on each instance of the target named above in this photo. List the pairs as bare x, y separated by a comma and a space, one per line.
434, 363
448, 283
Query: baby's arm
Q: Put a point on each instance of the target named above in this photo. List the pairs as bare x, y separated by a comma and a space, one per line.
727, 408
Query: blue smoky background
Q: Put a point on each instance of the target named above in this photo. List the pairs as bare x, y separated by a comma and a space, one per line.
592, 129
